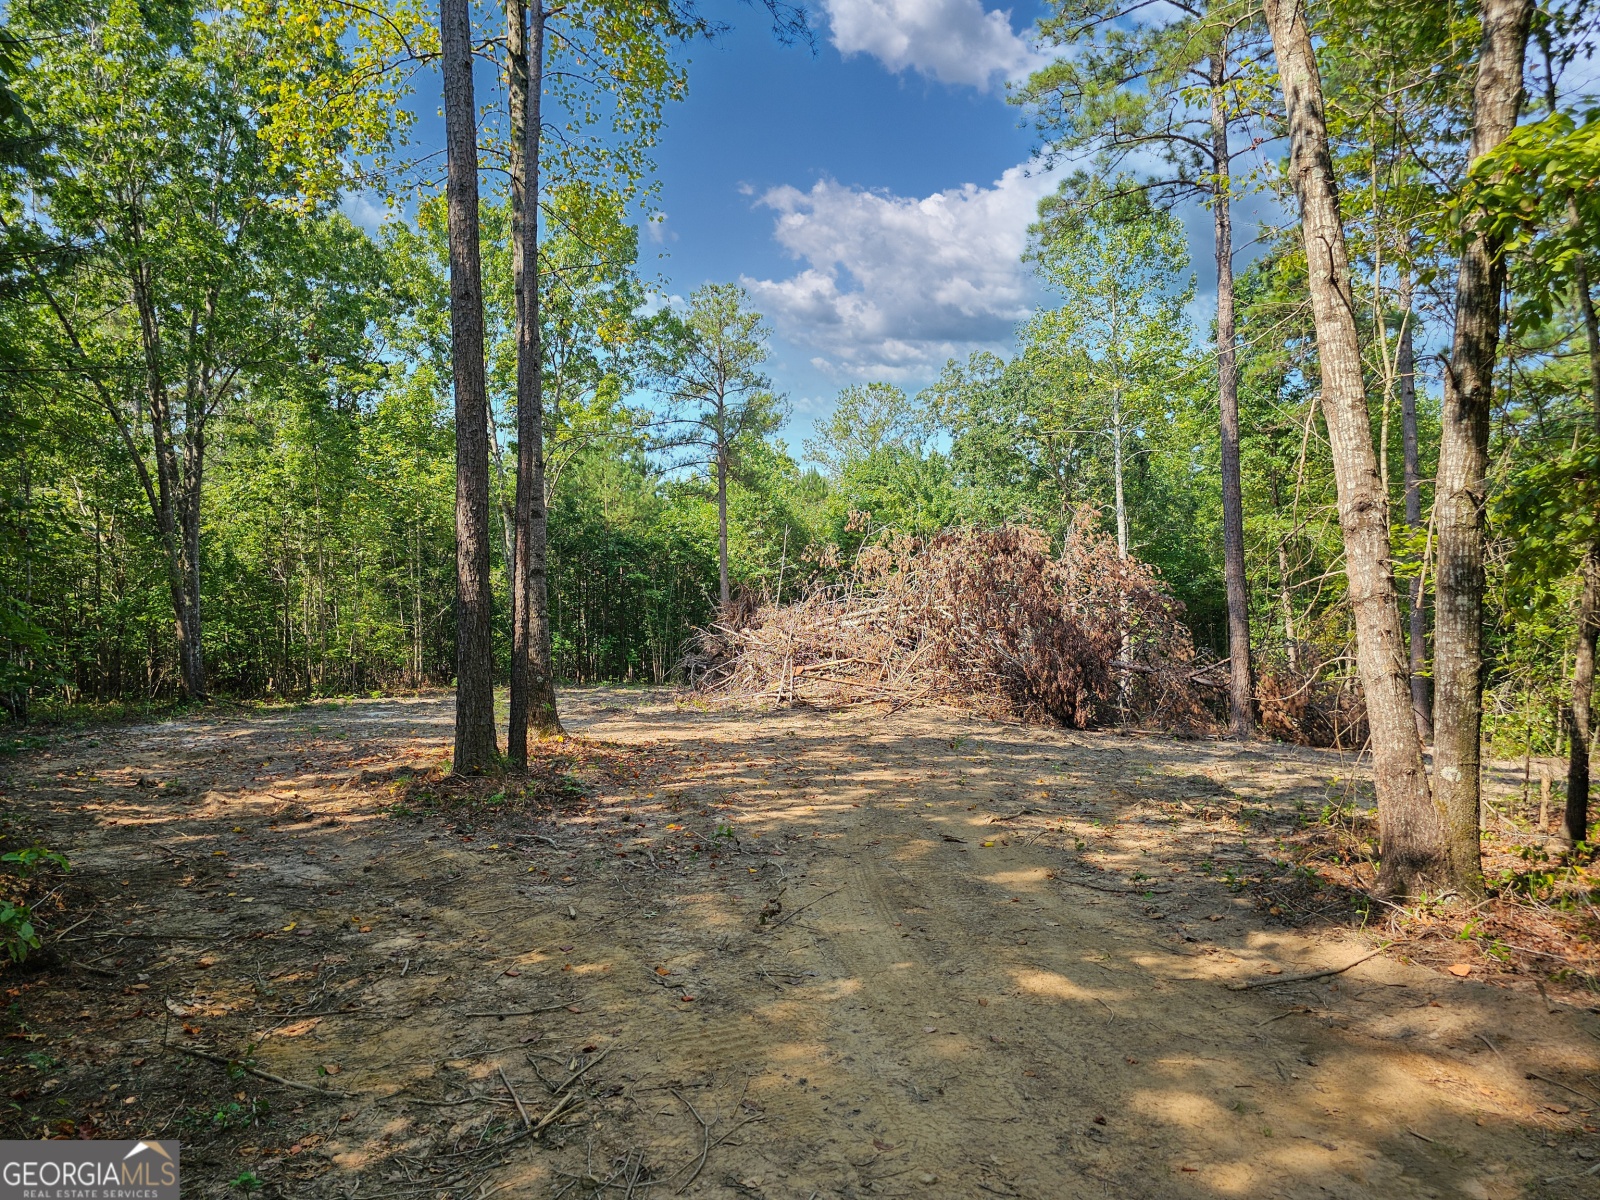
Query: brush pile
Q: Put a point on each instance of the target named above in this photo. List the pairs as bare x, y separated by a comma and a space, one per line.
987, 619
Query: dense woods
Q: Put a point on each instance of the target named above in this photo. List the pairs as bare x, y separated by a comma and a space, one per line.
253, 448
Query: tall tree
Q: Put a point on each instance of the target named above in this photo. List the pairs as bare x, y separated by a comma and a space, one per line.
186, 223
1192, 63
1410, 448
720, 395
1413, 850
533, 693
1120, 337
1461, 492
475, 747
1533, 196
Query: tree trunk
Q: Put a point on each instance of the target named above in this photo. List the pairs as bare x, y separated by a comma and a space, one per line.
1119, 499
533, 695
1291, 645
1411, 831
1461, 490
722, 521
1579, 726
1406, 368
1241, 696
475, 737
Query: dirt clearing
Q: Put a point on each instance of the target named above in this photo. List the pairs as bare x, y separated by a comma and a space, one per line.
788, 955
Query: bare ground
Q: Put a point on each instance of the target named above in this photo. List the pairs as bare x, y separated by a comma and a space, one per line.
787, 955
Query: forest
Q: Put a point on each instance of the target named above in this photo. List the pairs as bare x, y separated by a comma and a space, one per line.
1298, 455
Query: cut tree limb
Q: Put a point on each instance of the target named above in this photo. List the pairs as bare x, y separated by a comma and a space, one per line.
1278, 980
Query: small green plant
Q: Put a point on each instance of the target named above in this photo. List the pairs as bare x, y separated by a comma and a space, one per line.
16, 930
724, 831
245, 1181
235, 1115
30, 859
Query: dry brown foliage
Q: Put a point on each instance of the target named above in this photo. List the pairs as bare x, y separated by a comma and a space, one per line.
985, 618
1311, 708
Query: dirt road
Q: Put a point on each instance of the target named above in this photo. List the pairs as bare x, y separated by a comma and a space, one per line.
786, 955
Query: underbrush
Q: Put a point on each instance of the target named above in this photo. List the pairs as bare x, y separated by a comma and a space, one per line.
1539, 922
33, 881
561, 773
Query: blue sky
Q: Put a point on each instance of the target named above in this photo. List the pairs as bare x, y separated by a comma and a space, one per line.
873, 196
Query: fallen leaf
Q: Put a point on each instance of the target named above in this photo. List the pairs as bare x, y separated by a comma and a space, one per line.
291, 926
1460, 970
663, 971
880, 1144
929, 1029
332, 1068
513, 973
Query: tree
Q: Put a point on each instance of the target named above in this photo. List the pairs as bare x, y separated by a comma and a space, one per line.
1117, 342
1460, 496
720, 398
1175, 85
1532, 196
613, 63
868, 417
1414, 856
533, 693
475, 747
188, 226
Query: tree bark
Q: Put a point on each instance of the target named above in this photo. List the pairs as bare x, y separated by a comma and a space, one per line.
1580, 728
1461, 490
475, 737
1118, 498
533, 695
722, 519
1410, 828
1241, 695
1406, 369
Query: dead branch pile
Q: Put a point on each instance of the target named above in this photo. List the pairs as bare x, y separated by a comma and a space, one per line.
989, 619
1312, 707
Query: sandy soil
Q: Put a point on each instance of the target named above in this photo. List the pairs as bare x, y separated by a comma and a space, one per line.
780, 955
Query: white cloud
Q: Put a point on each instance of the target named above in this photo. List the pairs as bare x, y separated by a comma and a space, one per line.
895, 285
953, 41
655, 228
365, 210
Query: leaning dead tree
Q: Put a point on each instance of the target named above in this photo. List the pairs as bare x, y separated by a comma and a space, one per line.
985, 619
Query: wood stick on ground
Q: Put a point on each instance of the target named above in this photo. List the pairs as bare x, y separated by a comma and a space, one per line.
584, 1070
1278, 980
524, 1012
705, 1149
259, 1074
802, 909
515, 1099
1557, 1083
